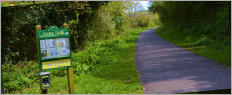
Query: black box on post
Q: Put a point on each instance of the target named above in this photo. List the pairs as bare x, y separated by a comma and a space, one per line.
45, 80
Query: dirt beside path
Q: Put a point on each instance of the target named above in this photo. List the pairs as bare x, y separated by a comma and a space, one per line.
166, 68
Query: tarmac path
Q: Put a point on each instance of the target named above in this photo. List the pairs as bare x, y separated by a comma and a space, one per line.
166, 68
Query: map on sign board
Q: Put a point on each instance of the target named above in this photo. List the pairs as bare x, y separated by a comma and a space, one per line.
50, 43
53, 48
42, 44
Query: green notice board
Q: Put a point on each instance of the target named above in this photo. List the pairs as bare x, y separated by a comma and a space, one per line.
54, 48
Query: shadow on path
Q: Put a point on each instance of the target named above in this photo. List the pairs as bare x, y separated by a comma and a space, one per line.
166, 68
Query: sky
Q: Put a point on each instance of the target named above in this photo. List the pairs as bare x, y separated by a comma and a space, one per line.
144, 3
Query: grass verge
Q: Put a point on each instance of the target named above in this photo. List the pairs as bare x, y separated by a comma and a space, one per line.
113, 73
212, 50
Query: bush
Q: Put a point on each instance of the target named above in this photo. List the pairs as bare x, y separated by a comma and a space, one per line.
142, 20
104, 26
22, 75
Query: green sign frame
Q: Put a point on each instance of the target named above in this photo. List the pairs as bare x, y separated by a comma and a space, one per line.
55, 33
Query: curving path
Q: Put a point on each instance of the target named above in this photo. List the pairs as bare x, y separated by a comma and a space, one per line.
166, 68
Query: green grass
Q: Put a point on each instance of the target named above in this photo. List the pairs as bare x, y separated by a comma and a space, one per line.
220, 56
114, 70
206, 47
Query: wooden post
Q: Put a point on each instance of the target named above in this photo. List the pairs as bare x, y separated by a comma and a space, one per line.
70, 73
70, 80
38, 27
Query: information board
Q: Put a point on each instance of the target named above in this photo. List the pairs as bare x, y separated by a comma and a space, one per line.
54, 47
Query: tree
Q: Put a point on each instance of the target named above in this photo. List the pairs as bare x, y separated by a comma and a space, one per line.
18, 24
155, 6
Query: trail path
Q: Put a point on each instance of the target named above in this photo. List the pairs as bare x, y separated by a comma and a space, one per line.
166, 68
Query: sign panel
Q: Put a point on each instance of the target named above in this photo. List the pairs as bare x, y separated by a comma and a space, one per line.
54, 48
53, 31
55, 63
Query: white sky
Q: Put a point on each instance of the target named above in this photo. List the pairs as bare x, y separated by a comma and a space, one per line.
144, 3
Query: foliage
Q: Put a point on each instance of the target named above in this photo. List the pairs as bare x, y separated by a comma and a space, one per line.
131, 5
80, 27
142, 20
19, 25
108, 19
194, 24
104, 25
18, 3
16, 77
18, 34
155, 6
